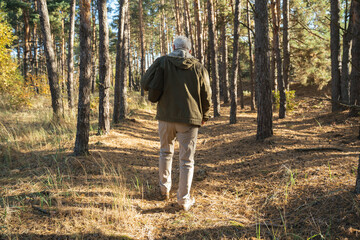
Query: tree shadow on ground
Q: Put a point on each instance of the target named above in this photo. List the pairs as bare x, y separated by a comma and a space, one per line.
88, 236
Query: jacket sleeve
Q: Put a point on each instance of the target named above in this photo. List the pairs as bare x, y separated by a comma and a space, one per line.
149, 75
205, 92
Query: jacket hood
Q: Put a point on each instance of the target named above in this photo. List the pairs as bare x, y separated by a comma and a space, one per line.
181, 58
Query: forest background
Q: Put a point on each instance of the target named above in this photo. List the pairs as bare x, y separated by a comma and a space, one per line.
263, 57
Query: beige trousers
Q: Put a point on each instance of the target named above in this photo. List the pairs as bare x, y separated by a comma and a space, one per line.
186, 135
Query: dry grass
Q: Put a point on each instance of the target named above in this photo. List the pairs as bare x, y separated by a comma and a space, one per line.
295, 185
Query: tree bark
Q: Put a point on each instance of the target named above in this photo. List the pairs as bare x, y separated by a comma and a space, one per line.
187, 10
273, 81
123, 67
83, 120
50, 60
235, 64
142, 44
200, 44
26, 17
286, 45
280, 82
355, 53
264, 99
335, 56
70, 80
214, 64
345, 79
93, 49
104, 69
119, 47
251, 57
224, 62
177, 17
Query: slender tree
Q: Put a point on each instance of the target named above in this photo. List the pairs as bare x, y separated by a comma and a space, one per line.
355, 67
142, 43
200, 43
104, 69
263, 89
188, 21
119, 59
335, 56
83, 120
251, 58
224, 60
286, 45
123, 66
70, 80
50, 60
345, 79
26, 58
213, 54
93, 47
235, 64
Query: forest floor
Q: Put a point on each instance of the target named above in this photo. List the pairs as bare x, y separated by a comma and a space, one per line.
297, 184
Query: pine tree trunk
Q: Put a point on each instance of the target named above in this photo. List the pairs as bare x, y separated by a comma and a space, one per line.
263, 89
124, 65
50, 60
142, 44
35, 45
235, 64
200, 49
119, 47
251, 57
224, 62
93, 50
104, 69
241, 87
345, 79
355, 69
83, 120
187, 10
273, 82
286, 45
63, 56
177, 17
214, 64
280, 81
70, 80
131, 85
26, 17
335, 56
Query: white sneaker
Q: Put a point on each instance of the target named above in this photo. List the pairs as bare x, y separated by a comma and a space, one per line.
187, 205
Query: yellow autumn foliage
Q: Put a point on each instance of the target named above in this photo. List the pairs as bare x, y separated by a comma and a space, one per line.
12, 86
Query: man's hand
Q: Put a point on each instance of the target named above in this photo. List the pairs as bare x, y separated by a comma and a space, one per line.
202, 122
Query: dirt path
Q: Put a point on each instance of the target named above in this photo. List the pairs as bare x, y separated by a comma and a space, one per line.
297, 183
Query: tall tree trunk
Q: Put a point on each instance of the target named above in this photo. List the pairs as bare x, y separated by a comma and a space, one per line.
273, 81
83, 120
355, 69
104, 69
335, 56
280, 81
224, 62
131, 84
235, 64
214, 64
251, 57
123, 67
63, 56
50, 60
345, 80
142, 44
177, 17
187, 10
26, 58
200, 49
119, 47
35, 45
264, 100
70, 80
93, 49
163, 44
286, 45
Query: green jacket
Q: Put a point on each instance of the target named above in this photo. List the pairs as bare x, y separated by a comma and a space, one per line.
182, 83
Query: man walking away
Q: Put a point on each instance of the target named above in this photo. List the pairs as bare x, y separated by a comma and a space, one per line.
181, 86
